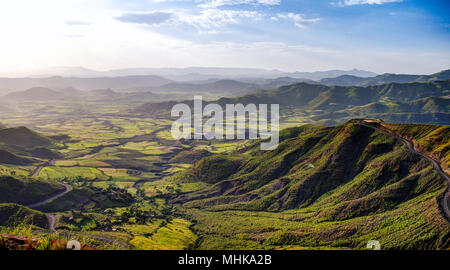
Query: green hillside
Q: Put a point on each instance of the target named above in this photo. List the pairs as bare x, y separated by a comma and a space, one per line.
9, 158
424, 105
431, 139
348, 80
23, 137
433, 110
323, 187
324, 97
442, 75
26, 191
190, 156
432, 104
13, 214
408, 102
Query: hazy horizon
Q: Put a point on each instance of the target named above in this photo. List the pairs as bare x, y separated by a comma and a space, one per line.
57, 70
64, 71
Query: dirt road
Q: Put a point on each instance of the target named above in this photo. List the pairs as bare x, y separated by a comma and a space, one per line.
51, 222
435, 163
68, 188
38, 170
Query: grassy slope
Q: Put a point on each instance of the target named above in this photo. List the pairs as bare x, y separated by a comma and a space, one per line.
26, 191
23, 137
323, 187
12, 214
10, 158
24, 142
433, 139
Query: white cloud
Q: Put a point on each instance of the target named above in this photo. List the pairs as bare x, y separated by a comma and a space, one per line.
364, 2
298, 19
215, 18
150, 18
206, 21
219, 3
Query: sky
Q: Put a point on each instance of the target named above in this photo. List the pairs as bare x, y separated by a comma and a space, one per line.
400, 36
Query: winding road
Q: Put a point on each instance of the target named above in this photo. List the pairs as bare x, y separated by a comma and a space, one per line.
409, 144
68, 188
51, 221
37, 171
51, 217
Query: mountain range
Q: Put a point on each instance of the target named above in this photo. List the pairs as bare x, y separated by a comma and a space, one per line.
350, 80
193, 73
19, 84
409, 102
231, 81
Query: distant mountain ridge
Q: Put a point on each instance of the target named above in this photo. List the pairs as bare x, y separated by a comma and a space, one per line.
350, 80
194, 73
222, 87
318, 75
410, 102
218, 86
316, 96
83, 83
35, 94
232, 84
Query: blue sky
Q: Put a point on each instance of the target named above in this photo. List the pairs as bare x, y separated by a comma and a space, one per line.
409, 36
383, 24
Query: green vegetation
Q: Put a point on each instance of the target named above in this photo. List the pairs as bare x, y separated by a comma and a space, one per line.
135, 187
23, 137
175, 235
213, 169
12, 214
324, 188
72, 173
414, 102
431, 139
26, 191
